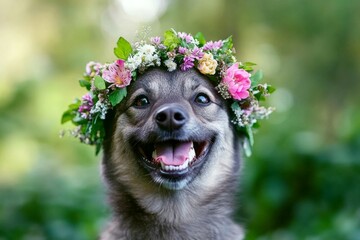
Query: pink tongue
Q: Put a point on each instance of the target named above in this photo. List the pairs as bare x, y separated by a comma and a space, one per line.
173, 153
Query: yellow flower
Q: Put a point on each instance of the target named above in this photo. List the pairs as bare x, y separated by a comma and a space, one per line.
207, 64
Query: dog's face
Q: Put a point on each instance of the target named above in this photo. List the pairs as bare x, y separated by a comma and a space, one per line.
172, 131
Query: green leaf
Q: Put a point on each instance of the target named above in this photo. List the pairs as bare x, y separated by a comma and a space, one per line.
99, 83
75, 105
227, 44
270, 89
256, 78
171, 40
250, 135
200, 37
123, 49
249, 64
71, 112
96, 126
85, 83
259, 96
247, 147
67, 116
247, 68
235, 107
98, 148
116, 96
256, 125
77, 120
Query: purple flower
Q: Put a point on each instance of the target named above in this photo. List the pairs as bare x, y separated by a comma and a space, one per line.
87, 97
197, 53
187, 37
212, 45
187, 64
92, 68
182, 50
86, 105
161, 46
155, 40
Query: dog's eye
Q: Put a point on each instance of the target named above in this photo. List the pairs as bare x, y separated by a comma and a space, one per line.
202, 99
141, 101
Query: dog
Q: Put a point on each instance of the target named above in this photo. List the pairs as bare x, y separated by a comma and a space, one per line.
171, 160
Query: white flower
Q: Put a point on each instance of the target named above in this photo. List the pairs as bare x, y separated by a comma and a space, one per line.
133, 62
101, 108
149, 58
170, 64
146, 49
145, 56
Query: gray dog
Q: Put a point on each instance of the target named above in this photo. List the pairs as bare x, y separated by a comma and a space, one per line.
171, 160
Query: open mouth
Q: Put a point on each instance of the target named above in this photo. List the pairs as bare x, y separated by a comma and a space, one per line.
173, 159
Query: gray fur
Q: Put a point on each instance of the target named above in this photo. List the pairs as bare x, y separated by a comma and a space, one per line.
142, 207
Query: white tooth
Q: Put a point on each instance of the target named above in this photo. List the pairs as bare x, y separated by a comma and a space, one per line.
185, 165
192, 154
163, 166
174, 167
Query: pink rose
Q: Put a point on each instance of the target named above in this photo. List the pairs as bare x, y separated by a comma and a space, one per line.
237, 81
117, 74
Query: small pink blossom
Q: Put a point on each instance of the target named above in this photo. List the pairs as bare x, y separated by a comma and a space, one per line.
155, 40
187, 37
117, 74
213, 45
92, 68
197, 53
187, 64
237, 81
182, 50
87, 98
86, 106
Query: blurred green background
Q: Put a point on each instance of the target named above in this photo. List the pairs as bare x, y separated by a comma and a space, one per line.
303, 180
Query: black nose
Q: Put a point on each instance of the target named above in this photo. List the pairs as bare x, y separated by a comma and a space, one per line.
171, 117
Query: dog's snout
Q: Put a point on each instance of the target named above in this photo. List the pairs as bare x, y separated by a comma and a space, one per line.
171, 117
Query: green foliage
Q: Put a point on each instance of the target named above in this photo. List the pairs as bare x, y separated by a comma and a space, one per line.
85, 83
248, 66
53, 204
123, 49
227, 44
256, 78
201, 38
70, 114
99, 82
116, 96
171, 41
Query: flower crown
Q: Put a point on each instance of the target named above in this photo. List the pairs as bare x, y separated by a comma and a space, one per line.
107, 83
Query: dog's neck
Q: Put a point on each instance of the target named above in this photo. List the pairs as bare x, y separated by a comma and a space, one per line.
182, 213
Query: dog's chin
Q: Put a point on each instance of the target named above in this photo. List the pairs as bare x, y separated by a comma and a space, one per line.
173, 164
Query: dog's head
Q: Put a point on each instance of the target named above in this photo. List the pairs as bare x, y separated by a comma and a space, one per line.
172, 131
